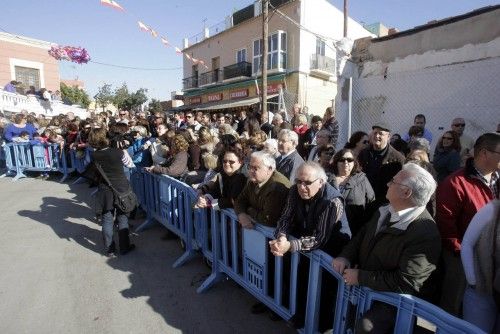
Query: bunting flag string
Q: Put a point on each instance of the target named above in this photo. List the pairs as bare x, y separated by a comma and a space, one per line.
142, 26
112, 4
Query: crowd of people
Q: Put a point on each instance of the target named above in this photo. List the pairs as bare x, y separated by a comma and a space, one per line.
394, 216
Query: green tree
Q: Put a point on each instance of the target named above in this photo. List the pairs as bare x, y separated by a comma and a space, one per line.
104, 96
125, 100
155, 106
74, 95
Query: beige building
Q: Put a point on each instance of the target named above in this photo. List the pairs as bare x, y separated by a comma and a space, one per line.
302, 57
26, 60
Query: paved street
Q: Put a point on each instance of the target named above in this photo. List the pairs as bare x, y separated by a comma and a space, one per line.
53, 278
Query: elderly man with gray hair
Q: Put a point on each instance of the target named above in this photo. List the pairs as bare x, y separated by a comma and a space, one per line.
290, 160
398, 250
263, 197
314, 214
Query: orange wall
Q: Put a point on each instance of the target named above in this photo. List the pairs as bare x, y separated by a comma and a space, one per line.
28, 53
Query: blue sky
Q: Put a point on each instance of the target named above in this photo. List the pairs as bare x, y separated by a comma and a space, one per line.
113, 37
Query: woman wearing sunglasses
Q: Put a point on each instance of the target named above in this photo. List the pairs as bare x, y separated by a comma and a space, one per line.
447, 155
354, 187
358, 141
222, 190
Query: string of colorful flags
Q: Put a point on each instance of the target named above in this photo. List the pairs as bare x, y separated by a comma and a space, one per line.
144, 27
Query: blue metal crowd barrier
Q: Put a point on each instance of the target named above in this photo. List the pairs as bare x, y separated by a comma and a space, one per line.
243, 255
27, 157
169, 202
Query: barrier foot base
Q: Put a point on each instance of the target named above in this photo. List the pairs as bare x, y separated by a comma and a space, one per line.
213, 279
18, 176
188, 255
79, 180
150, 222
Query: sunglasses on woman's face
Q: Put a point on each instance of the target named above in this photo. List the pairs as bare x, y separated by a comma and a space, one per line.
346, 160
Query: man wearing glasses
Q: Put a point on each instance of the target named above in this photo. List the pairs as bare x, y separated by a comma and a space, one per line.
458, 199
314, 214
466, 142
397, 250
191, 121
122, 117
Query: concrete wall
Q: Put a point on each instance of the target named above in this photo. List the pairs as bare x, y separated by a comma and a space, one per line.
27, 53
474, 30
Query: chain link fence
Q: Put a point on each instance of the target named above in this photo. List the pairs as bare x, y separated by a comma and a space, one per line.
470, 90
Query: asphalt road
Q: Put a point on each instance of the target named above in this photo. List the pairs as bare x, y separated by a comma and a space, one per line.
54, 278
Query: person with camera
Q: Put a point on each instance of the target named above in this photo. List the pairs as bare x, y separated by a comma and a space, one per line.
112, 184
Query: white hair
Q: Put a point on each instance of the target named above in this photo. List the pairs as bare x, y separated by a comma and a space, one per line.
290, 135
319, 172
266, 158
271, 143
421, 182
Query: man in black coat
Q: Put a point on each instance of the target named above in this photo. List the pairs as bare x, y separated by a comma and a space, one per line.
380, 161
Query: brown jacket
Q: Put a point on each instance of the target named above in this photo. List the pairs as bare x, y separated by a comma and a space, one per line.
264, 205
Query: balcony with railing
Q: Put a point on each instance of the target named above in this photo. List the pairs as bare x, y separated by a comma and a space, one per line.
241, 69
14, 103
211, 77
190, 83
322, 66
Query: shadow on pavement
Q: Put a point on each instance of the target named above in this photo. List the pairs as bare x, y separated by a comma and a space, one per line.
170, 292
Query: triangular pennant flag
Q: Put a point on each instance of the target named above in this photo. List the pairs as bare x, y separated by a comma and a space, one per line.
201, 62
164, 41
112, 4
143, 27
179, 51
153, 33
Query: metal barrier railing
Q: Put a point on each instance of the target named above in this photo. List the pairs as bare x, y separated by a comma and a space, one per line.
27, 157
243, 255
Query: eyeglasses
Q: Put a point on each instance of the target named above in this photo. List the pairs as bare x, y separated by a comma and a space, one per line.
122, 114
189, 116
305, 183
492, 151
346, 160
462, 125
231, 162
448, 138
399, 184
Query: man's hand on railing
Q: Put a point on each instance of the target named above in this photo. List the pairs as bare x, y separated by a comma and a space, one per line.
245, 221
279, 246
351, 276
339, 264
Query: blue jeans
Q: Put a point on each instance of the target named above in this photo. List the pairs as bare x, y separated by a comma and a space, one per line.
481, 310
108, 224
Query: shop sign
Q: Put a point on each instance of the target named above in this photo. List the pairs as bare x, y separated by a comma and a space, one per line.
195, 100
238, 94
214, 97
273, 88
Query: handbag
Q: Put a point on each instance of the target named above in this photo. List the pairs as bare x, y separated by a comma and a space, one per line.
124, 201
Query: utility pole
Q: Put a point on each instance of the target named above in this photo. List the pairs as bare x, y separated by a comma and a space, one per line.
265, 33
345, 18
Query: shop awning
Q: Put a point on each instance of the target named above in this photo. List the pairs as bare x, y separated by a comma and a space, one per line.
229, 103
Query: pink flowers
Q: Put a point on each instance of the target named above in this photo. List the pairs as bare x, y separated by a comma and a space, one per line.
75, 54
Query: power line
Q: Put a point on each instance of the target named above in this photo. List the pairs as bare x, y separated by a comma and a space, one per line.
137, 68
101, 63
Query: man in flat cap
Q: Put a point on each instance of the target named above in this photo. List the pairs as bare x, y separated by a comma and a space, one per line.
380, 161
